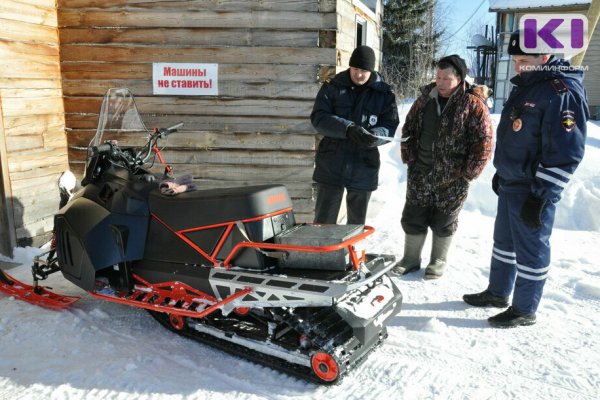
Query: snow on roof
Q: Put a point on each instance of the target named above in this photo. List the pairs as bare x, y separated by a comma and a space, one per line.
497, 5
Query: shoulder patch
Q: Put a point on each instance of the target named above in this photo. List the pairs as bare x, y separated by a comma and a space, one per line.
567, 120
559, 86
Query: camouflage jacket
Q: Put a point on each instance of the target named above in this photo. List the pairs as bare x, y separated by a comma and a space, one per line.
460, 152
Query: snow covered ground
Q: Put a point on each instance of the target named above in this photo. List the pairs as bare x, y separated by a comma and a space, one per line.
438, 347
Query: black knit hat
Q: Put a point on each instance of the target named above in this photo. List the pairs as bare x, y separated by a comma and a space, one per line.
514, 47
363, 57
458, 63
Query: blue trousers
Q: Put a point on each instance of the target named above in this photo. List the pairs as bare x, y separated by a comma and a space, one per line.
521, 255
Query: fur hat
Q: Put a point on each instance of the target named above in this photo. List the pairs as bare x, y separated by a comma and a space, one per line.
363, 57
457, 62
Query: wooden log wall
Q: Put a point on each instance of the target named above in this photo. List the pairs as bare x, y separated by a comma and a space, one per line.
272, 56
33, 149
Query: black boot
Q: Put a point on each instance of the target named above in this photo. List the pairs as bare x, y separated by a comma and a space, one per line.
511, 319
486, 299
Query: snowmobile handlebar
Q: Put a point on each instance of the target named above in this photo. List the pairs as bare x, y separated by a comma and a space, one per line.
164, 132
159, 133
103, 148
133, 159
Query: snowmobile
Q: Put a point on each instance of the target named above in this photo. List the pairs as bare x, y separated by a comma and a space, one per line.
229, 267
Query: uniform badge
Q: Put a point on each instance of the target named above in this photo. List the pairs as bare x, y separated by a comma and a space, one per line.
373, 120
568, 120
517, 125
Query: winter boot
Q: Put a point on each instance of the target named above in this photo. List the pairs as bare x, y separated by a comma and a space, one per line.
411, 260
510, 318
439, 252
486, 299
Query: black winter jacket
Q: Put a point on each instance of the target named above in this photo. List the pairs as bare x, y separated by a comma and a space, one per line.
339, 103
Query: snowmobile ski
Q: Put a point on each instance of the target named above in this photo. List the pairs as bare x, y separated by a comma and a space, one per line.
37, 295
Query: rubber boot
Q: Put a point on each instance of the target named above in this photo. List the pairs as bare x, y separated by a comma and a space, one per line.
439, 253
411, 260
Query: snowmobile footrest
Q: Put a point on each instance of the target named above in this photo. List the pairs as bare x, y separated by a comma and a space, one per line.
174, 298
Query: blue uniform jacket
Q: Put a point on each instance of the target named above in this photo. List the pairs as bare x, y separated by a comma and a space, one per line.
542, 132
340, 161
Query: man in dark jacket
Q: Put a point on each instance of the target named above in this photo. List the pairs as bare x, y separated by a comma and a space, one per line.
351, 111
541, 141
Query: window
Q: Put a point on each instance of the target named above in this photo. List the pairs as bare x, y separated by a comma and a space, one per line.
361, 31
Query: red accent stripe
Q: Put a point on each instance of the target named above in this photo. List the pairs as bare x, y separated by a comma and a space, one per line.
186, 240
220, 224
222, 240
229, 224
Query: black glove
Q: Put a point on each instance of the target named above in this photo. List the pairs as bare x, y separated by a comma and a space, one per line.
531, 212
496, 184
360, 135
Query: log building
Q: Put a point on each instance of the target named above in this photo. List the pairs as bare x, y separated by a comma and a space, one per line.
60, 56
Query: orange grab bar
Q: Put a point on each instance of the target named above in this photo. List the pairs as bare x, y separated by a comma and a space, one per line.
307, 249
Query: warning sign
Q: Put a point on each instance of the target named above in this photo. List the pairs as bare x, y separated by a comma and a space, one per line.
185, 79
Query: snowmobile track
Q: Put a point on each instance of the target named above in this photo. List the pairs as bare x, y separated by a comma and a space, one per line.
348, 352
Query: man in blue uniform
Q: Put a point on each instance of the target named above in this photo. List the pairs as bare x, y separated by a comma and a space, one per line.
351, 111
540, 142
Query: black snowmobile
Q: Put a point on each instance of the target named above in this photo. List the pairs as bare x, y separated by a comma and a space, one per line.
228, 267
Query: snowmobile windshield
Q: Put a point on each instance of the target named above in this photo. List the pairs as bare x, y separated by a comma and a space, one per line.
119, 119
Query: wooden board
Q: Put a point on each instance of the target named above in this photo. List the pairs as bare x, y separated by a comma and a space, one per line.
200, 106
31, 33
37, 159
254, 73
210, 140
234, 89
219, 55
195, 18
208, 123
32, 12
211, 37
32, 124
214, 5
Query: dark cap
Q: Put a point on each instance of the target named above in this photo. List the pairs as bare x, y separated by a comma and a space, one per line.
514, 46
363, 57
457, 62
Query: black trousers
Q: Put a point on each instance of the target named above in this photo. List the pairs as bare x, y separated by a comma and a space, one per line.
415, 220
329, 200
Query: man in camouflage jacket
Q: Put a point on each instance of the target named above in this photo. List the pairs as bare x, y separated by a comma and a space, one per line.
446, 143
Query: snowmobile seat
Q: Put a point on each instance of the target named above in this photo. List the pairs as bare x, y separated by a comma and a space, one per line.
213, 206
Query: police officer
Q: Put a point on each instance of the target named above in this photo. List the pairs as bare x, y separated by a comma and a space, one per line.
351, 111
540, 142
